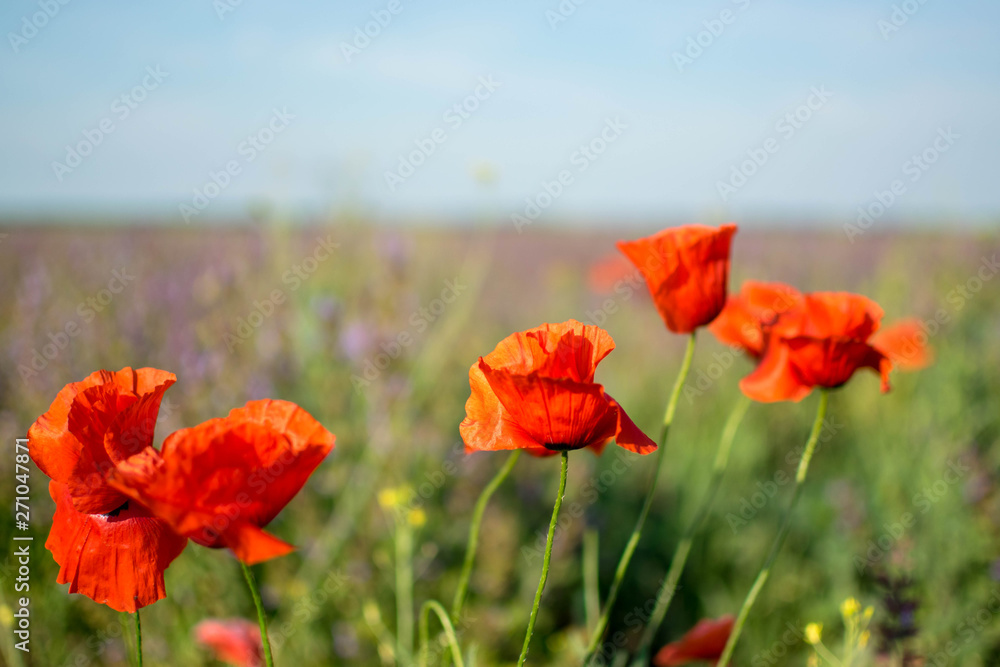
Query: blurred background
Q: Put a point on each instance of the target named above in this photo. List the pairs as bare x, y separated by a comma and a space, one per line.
344, 206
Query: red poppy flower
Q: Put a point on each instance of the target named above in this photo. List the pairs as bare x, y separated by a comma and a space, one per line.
107, 548
744, 316
704, 642
905, 343
686, 269
820, 344
232, 640
222, 481
536, 391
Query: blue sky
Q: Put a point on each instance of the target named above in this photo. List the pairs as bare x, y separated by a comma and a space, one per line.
681, 128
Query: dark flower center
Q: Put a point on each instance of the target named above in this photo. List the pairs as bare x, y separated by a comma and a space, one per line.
118, 510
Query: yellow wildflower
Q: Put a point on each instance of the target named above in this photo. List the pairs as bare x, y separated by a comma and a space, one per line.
388, 498
849, 608
417, 517
814, 633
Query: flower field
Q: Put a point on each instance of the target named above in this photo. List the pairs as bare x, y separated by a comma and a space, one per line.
427, 382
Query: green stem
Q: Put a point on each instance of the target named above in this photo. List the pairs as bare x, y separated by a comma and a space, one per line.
404, 590
680, 556
449, 631
473, 545
138, 639
633, 540
825, 653
779, 539
591, 582
546, 559
261, 619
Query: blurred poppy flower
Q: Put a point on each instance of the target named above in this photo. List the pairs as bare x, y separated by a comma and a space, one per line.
686, 269
219, 483
905, 343
536, 391
745, 314
820, 344
611, 273
107, 548
704, 642
232, 640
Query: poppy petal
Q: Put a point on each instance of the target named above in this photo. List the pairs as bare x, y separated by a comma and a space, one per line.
630, 436
569, 349
288, 466
558, 414
905, 344
94, 424
222, 481
254, 545
831, 362
235, 640
774, 378
757, 304
840, 313
487, 425
820, 344
704, 642
610, 272
686, 269
115, 559
535, 391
